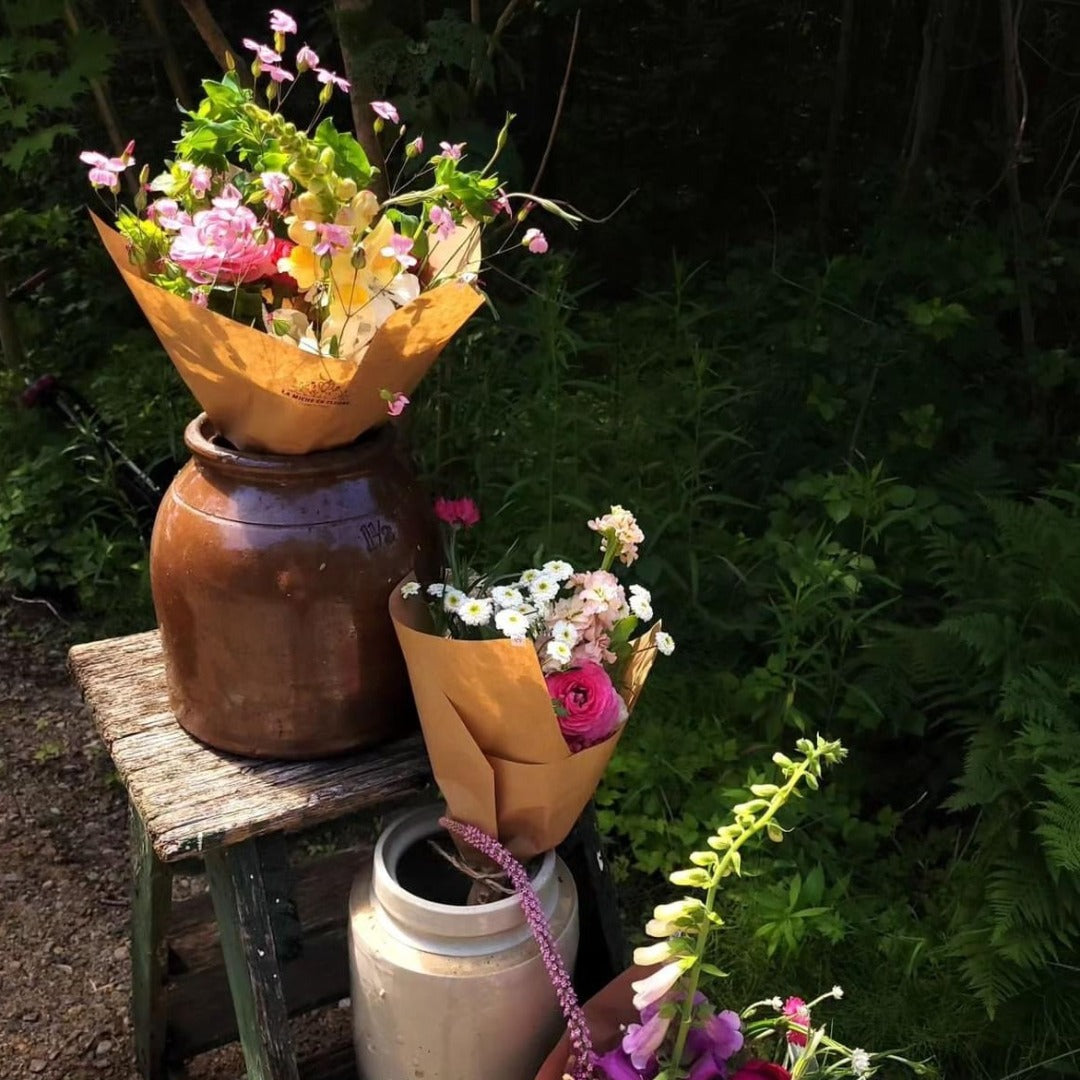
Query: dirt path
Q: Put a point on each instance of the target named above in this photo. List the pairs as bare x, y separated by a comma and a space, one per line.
64, 971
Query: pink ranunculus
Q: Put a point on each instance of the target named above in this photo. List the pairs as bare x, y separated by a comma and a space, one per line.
224, 245
590, 704
462, 513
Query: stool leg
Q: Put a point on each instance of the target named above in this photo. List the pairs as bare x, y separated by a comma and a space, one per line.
247, 941
150, 903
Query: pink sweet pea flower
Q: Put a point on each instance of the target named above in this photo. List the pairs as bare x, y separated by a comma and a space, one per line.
167, 214
452, 150
306, 58
796, 1011
396, 405
278, 74
385, 111
281, 23
458, 513
263, 53
278, 187
332, 238
399, 248
535, 241
328, 78
415, 148
501, 204
443, 221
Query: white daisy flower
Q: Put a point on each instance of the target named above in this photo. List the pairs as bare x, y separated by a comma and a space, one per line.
559, 651
665, 642
436, 589
506, 596
559, 569
543, 588
512, 623
475, 612
565, 632
860, 1062
529, 576
453, 598
410, 588
640, 606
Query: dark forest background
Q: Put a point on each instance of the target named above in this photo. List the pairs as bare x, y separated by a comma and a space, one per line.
825, 349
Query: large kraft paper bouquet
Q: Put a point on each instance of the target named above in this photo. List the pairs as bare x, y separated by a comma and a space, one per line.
524, 682
299, 307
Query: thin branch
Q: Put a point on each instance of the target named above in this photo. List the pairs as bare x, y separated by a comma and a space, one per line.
559, 105
215, 39
173, 70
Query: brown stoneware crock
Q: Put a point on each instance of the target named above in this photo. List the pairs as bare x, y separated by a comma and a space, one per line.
270, 576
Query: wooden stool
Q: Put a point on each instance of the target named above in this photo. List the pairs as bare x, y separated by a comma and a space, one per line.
282, 936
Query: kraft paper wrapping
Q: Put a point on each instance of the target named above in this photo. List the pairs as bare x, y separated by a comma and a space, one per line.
268, 396
498, 756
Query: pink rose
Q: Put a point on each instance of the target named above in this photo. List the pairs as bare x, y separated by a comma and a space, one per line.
590, 705
224, 245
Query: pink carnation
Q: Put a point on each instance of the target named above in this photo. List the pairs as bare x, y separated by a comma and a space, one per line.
796, 1011
224, 244
590, 706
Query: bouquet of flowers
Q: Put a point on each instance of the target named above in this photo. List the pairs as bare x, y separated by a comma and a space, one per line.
524, 682
299, 306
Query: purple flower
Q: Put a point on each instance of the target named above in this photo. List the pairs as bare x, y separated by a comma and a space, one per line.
263, 53
641, 1041
278, 74
385, 111
711, 1045
332, 238
576, 1025
443, 221
616, 1065
328, 78
281, 23
535, 241
306, 58
452, 151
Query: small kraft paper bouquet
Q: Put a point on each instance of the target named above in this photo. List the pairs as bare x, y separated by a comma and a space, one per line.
300, 297
524, 682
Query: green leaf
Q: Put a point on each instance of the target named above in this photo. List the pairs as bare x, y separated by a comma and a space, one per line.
350, 160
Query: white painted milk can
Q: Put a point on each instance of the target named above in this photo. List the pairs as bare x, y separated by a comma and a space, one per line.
441, 990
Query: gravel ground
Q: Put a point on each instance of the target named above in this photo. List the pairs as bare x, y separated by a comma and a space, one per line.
64, 971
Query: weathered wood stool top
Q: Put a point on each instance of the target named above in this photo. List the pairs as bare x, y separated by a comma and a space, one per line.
191, 797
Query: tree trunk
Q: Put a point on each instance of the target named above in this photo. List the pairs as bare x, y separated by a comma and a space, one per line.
836, 119
1015, 120
355, 21
215, 39
10, 345
938, 32
174, 72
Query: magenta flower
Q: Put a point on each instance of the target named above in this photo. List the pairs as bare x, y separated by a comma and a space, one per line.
591, 710
443, 221
452, 150
535, 241
332, 238
278, 187
385, 111
577, 1026
328, 78
796, 1011
225, 244
399, 248
263, 53
641, 1041
457, 513
711, 1045
278, 74
281, 23
306, 58
396, 405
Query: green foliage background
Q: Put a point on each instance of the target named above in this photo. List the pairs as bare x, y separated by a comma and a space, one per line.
858, 483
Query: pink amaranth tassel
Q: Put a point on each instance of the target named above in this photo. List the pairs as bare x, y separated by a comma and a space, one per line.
576, 1025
